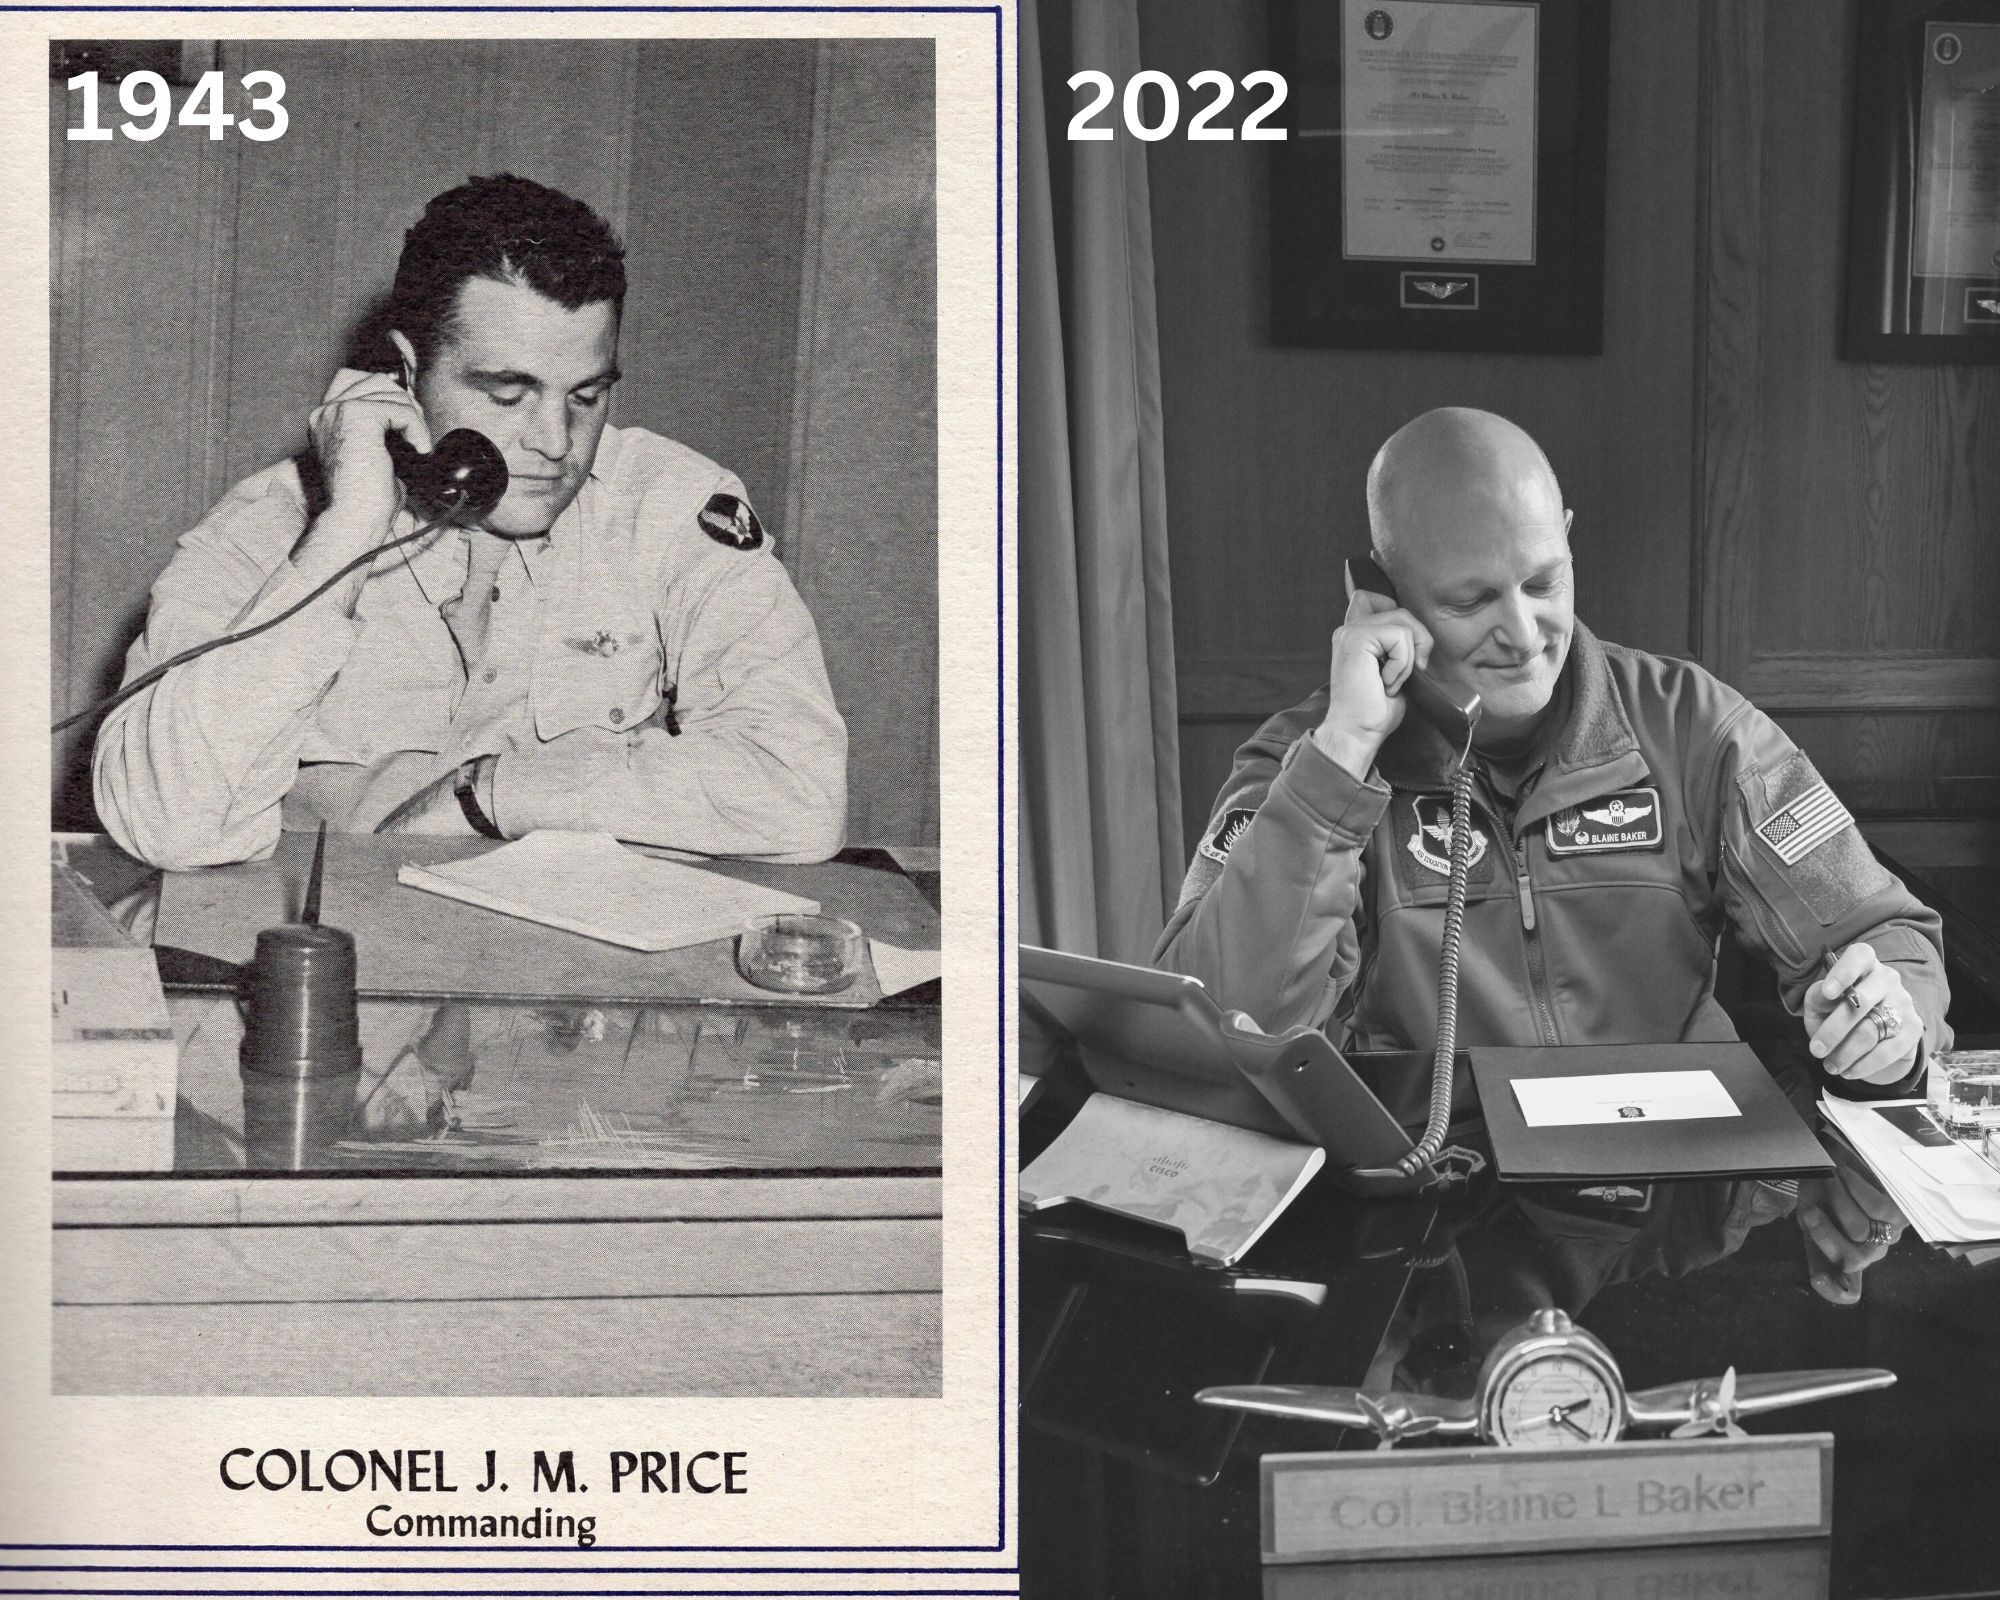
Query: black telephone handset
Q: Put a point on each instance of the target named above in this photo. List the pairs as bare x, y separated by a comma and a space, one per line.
1453, 714
464, 476
1455, 718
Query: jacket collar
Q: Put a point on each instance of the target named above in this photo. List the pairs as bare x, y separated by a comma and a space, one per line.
1591, 750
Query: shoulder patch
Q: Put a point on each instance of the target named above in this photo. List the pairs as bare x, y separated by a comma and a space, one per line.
1807, 839
728, 519
1803, 824
1227, 830
1630, 819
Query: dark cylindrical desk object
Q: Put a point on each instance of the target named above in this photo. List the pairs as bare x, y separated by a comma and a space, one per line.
301, 1018
292, 1124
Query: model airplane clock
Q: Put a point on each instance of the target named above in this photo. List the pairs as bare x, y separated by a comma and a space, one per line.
1547, 1383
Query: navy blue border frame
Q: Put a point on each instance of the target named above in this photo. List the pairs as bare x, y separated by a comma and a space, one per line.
1003, 1067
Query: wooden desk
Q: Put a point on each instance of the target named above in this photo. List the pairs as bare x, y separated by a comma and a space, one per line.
670, 1199
1131, 1491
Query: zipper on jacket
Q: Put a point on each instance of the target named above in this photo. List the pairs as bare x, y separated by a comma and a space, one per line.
1538, 974
1526, 894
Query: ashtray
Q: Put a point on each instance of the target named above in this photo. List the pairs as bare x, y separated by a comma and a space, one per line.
798, 954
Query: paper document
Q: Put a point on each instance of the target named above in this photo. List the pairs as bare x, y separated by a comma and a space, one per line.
1622, 1097
897, 969
1949, 1194
590, 884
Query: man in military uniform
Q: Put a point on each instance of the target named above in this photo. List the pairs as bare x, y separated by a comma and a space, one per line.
1626, 807
614, 647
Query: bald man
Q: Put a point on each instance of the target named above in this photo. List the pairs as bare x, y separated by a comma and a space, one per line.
1625, 807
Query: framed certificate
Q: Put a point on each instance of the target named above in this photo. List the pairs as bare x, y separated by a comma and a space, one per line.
1923, 252
1442, 185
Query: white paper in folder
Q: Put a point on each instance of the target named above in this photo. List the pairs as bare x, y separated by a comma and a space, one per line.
590, 884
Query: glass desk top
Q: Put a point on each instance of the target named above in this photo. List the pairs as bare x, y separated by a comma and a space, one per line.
485, 1088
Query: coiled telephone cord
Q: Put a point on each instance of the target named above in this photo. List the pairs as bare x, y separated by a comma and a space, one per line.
1445, 1055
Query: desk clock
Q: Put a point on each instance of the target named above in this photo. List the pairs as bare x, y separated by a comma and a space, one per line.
1548, 1382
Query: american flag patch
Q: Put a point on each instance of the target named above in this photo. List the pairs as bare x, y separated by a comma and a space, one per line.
1796, 830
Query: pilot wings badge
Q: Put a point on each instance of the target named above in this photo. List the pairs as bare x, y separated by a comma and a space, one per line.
1437, 290
1627, 820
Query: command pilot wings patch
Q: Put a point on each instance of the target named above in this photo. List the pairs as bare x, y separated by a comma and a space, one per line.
1800, 827
1628, 820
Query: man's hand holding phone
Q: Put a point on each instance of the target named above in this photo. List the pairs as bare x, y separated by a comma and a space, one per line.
348, 432
1375, 649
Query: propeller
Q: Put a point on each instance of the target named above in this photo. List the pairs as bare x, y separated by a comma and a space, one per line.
1714, 1408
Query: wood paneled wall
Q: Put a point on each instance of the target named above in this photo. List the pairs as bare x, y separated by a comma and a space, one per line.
205, 292
1825, 535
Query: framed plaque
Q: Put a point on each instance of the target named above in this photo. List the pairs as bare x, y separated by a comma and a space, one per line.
1923, 250
1442, 183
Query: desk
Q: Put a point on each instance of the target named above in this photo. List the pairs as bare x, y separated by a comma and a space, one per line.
1130, 1490
526, 1198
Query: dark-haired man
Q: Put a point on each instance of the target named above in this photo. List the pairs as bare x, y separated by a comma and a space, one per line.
615, 646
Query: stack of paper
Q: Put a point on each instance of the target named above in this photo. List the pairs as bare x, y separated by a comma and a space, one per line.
1950, 1194
590, 884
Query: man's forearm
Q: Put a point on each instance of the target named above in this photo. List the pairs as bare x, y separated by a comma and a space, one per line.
191, 771
717, 791
1267, 936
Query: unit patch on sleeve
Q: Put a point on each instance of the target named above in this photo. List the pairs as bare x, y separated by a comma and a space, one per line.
1227, 830
1627, 820
728, 519
1801, 826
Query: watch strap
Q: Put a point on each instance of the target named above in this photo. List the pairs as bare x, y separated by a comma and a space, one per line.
468, 802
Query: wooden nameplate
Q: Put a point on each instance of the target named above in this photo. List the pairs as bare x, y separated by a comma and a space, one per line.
1486, 1500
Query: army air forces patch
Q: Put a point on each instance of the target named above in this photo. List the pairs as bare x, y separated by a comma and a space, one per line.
1627, 820
728, 519
1430, 837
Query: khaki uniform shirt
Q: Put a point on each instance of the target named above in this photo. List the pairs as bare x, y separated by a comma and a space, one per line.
628, 598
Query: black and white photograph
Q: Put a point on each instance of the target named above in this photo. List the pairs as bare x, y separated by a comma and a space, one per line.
504, 485
1510, 798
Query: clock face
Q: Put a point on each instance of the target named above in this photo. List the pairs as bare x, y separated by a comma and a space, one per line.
1556, 1398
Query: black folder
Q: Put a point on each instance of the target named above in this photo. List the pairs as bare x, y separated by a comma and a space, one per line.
1768, 1139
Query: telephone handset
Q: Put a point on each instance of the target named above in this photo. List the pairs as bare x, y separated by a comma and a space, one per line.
1455, 718
1453, 713
464, 475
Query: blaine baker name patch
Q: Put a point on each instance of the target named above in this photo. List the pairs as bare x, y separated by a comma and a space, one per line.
1627, 820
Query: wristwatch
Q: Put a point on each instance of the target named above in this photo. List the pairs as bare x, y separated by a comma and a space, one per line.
468, 802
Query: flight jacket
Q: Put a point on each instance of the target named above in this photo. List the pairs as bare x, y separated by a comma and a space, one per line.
1667, 805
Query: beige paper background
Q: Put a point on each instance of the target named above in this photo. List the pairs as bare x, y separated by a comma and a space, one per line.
90, 1470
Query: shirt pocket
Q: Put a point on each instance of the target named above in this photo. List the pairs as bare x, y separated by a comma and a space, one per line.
608, 680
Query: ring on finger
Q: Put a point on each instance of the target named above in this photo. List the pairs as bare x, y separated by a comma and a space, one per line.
1881, 1233
1888, 1022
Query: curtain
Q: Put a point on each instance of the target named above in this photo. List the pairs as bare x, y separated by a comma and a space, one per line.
1101, 852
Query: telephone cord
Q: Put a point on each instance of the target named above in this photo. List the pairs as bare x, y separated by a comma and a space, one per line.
153, 675
1445, 1055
